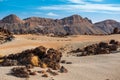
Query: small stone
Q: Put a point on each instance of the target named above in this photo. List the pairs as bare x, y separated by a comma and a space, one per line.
45, 75
33, 73
68, 62
43, 71
29, 66
51, 72
63, 61
63, 70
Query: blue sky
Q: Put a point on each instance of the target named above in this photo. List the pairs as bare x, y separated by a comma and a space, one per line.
96, 10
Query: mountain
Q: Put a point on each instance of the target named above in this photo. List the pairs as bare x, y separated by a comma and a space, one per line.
11, 19
71, 25
108, 26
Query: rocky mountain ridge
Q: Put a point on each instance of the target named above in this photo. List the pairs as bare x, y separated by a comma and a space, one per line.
71, 25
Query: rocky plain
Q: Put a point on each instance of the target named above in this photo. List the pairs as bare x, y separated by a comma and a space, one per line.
92, 67
71, 48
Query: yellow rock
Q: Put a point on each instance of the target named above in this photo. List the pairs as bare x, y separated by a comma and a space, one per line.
1, 56
1, 60
35, 61
43, 65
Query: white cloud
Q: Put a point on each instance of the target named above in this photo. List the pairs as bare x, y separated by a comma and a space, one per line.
97, 0
76, 1
51, 14
83, 1
110, 8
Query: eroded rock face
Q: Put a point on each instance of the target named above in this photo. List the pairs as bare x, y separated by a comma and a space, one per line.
5, 35
39, 56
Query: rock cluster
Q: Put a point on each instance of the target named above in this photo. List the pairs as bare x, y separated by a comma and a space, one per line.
25, 72
100, 48
22, 72
39, 56
5, 35
116, 31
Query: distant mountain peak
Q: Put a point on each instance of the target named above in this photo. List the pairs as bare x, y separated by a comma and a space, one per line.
12, 18
75, 16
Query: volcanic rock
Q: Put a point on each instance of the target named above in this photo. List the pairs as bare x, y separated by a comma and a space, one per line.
33, 73
63, 69
63, 61
45, 75
20, 72
116, 30
51, 72
5, 35
9, 62
39, 56
100, 48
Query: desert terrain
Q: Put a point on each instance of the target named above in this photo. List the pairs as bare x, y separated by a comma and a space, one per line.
100, 67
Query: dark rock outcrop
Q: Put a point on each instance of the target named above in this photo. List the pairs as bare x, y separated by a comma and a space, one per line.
22, 72
5, 35
100, 48
116, 31
35, 57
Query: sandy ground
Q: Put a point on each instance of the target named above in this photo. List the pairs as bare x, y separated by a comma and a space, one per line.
23, 42
100, 67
